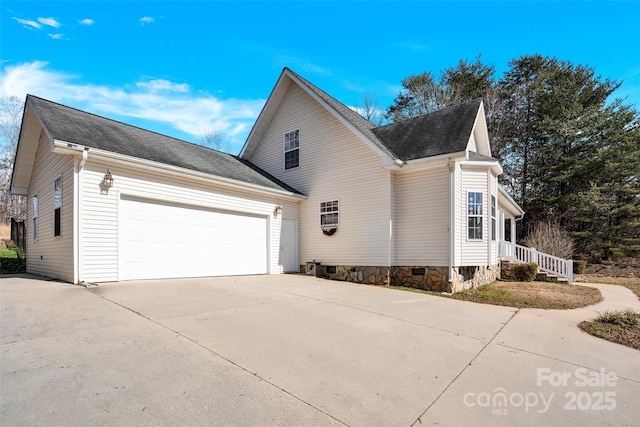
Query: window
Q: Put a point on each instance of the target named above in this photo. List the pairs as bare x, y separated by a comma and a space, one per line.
57, 207
34, 204
329, 213
494, 223
474, 216
292, 149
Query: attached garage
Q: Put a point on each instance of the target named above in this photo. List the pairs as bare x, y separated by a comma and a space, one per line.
160, 240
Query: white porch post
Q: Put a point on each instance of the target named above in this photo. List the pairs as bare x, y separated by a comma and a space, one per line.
512, 222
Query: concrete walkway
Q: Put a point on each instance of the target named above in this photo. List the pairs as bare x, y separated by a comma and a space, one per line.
296, 350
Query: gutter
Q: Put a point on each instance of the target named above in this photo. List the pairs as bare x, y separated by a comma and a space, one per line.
424, 161
71, 148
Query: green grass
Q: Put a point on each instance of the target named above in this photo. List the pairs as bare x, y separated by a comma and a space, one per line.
622, 327
11, 258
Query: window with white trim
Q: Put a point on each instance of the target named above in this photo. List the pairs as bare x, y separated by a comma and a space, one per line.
34, 209
57, 207
292, 149
474, 216
494, 223
329, 213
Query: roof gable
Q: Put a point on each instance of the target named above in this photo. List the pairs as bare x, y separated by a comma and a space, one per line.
68, 124
352, 120
441, 132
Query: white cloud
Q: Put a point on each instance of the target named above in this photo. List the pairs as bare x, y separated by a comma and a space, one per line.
56, 36
86, 21
163, 85
27, 23
50, 22
146, 20
169, 104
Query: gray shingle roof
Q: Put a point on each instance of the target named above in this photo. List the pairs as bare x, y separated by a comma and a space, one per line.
441, 132
82, 128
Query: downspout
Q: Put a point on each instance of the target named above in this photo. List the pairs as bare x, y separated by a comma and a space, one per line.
78, 203
390, 236
451, 223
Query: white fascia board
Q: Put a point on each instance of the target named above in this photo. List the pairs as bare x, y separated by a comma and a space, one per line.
510, 202
19, 191
494, 165
485, 129
248, 147
64, 147
46, 131
427, 162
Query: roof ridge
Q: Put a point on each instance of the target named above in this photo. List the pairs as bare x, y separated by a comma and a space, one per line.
125, 124
448, 107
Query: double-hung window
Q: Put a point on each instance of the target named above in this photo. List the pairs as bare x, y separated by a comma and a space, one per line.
474, 216
329, 213
292, 149
57, 207
34, 210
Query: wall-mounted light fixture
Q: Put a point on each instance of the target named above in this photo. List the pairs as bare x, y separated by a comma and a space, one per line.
108, 179
277, 211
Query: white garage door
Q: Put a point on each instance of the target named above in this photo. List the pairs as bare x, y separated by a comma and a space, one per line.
161, 240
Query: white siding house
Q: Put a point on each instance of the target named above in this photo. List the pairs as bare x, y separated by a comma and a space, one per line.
402, 189
415, 203
165, 215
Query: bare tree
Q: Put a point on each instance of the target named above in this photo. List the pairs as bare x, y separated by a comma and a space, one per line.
11, 109
550, 238
370, 110
215, 140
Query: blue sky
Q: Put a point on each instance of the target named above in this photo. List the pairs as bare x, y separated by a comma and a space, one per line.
186, 68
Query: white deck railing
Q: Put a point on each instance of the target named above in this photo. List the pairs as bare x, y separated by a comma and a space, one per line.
549, 263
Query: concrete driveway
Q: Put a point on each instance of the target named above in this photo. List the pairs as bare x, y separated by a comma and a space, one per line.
300, 351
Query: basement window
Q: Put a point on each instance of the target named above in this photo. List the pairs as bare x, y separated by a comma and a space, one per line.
292, 149
474, 216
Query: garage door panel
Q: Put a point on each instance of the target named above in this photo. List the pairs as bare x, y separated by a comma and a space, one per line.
168, 241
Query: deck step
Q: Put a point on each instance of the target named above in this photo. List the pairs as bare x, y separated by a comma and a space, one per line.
543, 276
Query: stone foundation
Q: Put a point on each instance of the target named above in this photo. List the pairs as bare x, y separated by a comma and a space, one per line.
472, 277
357, 274
428, 278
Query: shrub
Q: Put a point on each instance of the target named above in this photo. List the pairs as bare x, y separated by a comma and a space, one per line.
627, 318
579, 266
12, 265
550, 238
525, 272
